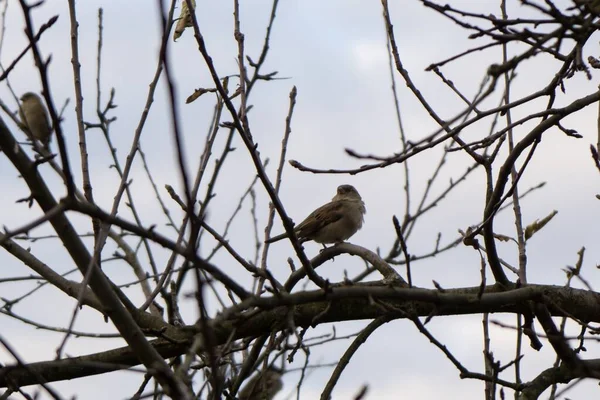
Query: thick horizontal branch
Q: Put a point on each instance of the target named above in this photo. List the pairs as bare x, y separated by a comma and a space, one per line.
312, 308
360, 302
79, 367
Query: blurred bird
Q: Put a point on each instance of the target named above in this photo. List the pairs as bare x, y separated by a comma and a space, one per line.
334, 222
592, 5
263, 386
35, 118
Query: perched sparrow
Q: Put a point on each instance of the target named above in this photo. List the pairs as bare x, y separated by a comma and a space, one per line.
334, 222
35, 118
263, 386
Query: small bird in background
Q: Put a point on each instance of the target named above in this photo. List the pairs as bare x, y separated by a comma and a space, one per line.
35, 118
263, 386
592, 5
334, 222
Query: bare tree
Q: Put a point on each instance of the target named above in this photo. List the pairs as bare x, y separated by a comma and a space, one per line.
208, 318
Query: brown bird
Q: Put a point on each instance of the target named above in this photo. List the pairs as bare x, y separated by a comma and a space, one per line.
35, 118
334, 222
263, 386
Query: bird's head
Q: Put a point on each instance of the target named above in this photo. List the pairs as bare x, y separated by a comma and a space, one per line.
29, 96
347, 191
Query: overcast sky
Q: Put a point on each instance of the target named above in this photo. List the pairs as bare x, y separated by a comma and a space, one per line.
334, 52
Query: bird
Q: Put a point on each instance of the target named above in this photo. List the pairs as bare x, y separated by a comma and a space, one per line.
592, 5
333, 222
35, 118
263, 386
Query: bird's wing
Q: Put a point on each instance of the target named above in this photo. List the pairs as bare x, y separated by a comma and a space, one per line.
322, 216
